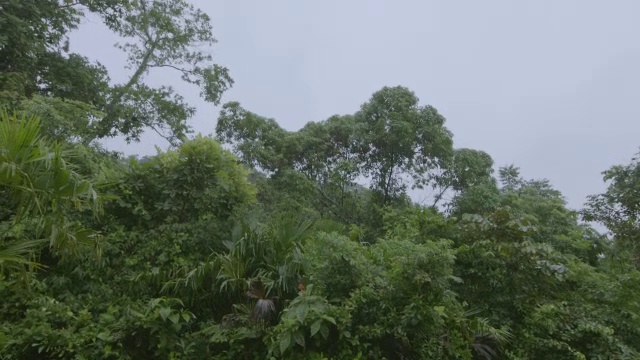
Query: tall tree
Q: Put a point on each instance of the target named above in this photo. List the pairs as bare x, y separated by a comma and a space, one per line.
33, 46
618, 208
162, 34
398, 137
390, 140
256, 140
321, 154
467, 168
38, 74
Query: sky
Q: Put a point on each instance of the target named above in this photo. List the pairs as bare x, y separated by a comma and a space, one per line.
550, 86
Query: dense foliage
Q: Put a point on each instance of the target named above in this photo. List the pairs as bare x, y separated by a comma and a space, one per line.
291, 244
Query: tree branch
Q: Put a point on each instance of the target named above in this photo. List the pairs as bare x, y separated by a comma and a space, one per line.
68, 5
184, 71
439, 196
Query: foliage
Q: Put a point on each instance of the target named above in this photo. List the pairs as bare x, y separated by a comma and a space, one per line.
292, 245
400, 137
162, 34
74, 97
619, 207
196, 260
468, 169
41, 194
197, 181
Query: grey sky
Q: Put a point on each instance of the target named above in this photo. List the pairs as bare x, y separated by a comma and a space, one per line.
551, 86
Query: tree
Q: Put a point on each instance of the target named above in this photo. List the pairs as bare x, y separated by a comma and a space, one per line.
160, 34
481, 198
400, 137
467, 168
33, 45
619, 207
164, 34
520, 281
197, 181
256, 140
322, 153
327, 156
390, 139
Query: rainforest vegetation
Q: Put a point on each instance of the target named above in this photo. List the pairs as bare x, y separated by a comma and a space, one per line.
263, 243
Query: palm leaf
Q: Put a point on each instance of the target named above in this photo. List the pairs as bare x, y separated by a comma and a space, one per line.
20, 254
42, 190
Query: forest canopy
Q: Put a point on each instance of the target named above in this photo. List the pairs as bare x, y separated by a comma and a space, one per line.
265, 243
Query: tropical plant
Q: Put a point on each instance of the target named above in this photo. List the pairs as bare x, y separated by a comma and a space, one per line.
42, 196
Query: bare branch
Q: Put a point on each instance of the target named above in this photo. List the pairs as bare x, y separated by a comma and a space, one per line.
184, 71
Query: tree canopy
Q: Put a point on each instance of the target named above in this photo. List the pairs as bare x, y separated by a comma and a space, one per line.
40, 76
267, 243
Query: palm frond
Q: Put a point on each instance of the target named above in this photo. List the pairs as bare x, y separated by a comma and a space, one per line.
42, 190
20, 254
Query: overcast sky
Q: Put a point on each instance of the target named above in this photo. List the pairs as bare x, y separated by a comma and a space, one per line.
550, 86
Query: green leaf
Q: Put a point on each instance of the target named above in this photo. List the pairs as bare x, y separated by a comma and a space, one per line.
315, 327
302, 311
164, 313
186, 316
299, 338
324, 330
330, 319
174, 318
285, 342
